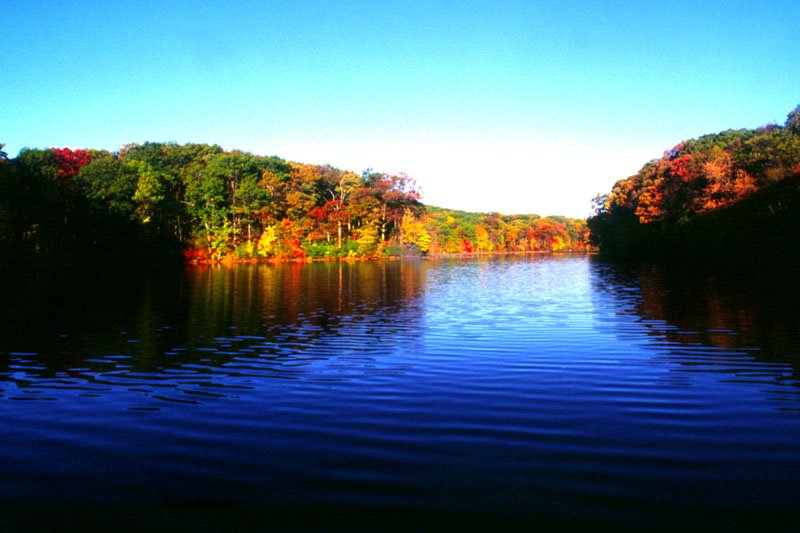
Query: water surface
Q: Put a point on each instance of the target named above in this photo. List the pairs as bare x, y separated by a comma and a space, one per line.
549, 390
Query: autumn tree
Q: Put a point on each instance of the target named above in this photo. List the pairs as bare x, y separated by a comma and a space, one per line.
168, 197
680, 201
393, 194
340, 189
413, 232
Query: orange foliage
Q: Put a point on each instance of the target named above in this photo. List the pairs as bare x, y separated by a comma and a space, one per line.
725, 183
682, 184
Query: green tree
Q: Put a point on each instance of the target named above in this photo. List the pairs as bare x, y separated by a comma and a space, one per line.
793, 121
111, 184
208, 204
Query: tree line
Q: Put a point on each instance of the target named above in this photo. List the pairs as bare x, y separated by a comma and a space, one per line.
163, 199
733, 195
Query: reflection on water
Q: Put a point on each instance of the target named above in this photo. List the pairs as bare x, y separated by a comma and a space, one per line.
277, 319
548, 390
742, 312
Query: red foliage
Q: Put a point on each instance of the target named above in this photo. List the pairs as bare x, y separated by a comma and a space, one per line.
467, 246
319, 214
70, 163
195, 256
682, 167
297, 250
333, 211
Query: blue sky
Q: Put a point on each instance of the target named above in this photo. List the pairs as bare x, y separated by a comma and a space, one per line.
516, 107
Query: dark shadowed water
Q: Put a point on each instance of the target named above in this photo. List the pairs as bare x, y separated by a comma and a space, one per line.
544, 391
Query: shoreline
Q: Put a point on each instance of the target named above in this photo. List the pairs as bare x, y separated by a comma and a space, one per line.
228, 261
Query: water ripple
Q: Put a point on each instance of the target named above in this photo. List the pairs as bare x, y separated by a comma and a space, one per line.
552, 386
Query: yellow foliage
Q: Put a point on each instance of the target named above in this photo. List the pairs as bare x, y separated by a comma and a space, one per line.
452, 245
368, 238
482, 242
558, 243
266, 244
412, 231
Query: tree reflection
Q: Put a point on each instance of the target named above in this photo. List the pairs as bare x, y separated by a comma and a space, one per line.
731, 310
205, 323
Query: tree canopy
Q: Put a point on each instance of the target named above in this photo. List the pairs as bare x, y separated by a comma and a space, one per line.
734, 192
209, 204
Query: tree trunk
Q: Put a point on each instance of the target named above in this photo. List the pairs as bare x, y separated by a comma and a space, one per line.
208, 238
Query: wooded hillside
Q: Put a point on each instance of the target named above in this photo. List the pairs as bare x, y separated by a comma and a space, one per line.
159, 199
730, 195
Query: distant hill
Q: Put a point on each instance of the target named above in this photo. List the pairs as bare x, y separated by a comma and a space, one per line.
453, 231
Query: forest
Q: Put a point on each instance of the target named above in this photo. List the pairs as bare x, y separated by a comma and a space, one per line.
161, 200
729, 196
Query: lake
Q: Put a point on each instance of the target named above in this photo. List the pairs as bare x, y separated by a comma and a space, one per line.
551, 391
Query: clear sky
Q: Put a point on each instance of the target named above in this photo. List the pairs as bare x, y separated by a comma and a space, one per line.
509, 106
